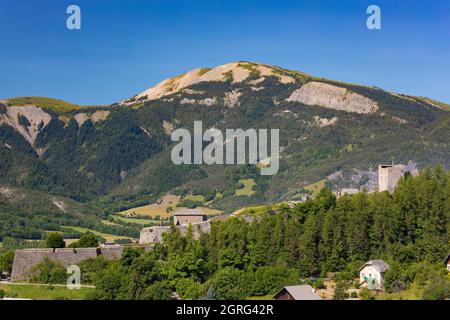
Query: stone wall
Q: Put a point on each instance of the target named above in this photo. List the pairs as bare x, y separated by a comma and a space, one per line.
26, 259
152, 235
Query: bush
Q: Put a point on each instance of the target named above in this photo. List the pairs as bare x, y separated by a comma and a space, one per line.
160, 290
189, 289
55, 240
365, 294
110, 284
6, 261
340, 292
49, 271
88, 240
230, 284
191, 204
90, 267
268, 280
23, 121
437, 289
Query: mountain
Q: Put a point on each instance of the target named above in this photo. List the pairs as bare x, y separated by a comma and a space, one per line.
118, 156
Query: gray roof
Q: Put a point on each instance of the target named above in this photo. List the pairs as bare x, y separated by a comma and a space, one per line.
379, 265
448, 259
304, 292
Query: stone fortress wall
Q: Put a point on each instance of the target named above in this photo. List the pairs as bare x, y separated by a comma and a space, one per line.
151, 235
26, 259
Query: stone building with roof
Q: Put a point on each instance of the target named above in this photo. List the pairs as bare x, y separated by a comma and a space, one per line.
189, 216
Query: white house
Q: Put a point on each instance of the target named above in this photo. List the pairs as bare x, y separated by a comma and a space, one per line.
371, 274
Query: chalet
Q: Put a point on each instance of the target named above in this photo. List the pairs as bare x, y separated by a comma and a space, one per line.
447, 262
304, 292
371, 274
189, 216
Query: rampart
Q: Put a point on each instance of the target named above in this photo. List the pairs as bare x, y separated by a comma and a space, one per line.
26, 259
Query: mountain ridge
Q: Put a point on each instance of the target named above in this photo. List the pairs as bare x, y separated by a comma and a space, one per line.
242, 70
120, 153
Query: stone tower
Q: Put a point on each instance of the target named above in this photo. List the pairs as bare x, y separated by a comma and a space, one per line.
388, 176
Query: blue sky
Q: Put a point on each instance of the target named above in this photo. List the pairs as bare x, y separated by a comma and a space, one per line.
126, 46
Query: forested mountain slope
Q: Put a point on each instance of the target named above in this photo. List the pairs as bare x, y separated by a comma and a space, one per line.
121, 153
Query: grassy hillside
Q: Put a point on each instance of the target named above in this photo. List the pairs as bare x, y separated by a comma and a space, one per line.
57, 105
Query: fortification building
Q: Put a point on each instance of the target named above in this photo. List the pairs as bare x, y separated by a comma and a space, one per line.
389, 175
26, 259
189, 216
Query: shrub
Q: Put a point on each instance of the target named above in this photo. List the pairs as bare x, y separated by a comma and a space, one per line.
160, 290
340, 292
189, 289
230, 284
6, 261
49, 271
88, 240
55, 240
365, 294
23, 121
437, 289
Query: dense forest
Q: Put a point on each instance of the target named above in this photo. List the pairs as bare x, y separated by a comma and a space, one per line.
409, 229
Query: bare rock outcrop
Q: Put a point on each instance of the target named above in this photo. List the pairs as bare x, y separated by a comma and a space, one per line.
333, 97
26, 120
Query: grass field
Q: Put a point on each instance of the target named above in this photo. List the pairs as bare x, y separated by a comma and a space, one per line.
43, 102
108, 237
160, 208
412, 293
70, 241
247, 190
316, 187
197, 198
155, 209
255, 210
44, 292
268, 297
135, 220
110, 223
